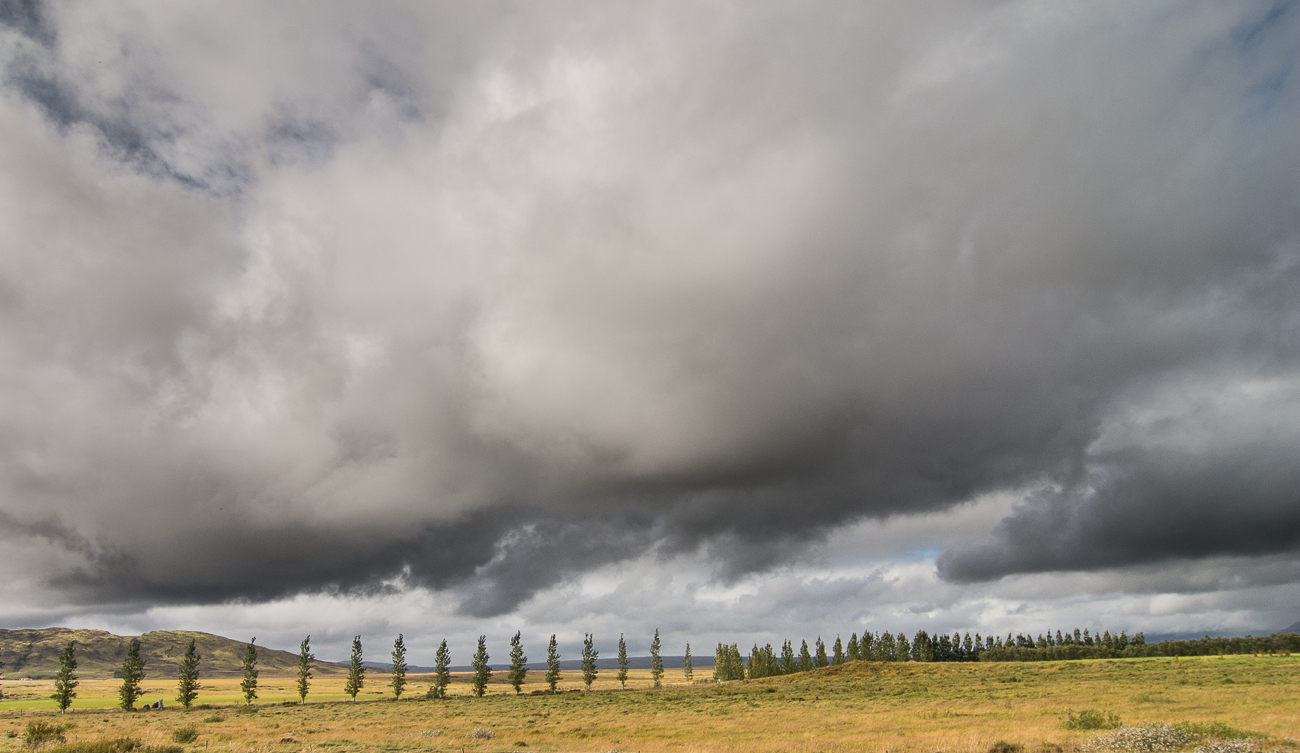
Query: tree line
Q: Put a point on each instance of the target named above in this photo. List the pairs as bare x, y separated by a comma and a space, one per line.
765, 661
729, 663
133, 666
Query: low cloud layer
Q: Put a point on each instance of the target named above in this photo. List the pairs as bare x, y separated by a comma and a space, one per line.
485, 299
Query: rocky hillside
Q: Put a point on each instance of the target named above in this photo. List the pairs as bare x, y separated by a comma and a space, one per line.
35, 653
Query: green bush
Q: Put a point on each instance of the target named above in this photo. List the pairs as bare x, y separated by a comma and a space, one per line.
40, 733
1002, 746
1091, 719
185, 735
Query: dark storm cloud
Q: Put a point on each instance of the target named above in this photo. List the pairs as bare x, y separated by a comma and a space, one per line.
485, 297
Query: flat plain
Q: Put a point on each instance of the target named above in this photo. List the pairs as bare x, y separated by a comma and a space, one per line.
859, 706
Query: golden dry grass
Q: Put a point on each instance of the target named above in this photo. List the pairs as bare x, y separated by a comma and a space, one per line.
862, 706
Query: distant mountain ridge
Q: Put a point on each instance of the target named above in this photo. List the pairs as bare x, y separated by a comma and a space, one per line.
35, 653
1295, 628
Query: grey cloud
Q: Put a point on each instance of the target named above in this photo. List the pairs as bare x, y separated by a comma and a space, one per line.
484, 298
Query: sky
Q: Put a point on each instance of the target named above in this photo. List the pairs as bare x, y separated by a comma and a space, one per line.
742, 321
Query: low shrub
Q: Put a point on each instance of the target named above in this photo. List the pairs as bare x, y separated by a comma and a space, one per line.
1002, 746
246, 710
42, 733
482, 733
214, 719
114, 745
1227, 746
185, 735
1215, 729
1090, 719
1149, 738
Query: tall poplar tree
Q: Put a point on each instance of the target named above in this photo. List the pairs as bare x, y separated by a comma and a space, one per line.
356, 671
249, 683
187, 683
399, 667
656, 663
622, 662
482, 672
518, 663
687, 670
65, 683
305, 661
552, 663
589, 656
132, 676
441, 672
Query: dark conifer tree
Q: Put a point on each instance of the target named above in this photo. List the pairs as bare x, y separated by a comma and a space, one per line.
837, 656
589, 657
441, 672
805, 658
902, 649
482, 671
656, 662
518, 663
819, 659
851, 651
398, 681
65, 682
922, 648
187, 684
885, 646
622, 662
868, 647
728, 664
249, 684
789, 664
688, 671
306, 660
356, 671
552, 664
132, 676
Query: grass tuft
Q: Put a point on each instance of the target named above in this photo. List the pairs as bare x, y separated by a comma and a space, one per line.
1090, 719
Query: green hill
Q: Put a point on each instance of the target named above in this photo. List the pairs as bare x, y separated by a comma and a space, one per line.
35, 653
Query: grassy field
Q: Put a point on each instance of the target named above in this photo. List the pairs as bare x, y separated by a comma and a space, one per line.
861, 706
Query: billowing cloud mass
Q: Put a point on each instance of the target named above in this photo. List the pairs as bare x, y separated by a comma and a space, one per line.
487, 299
